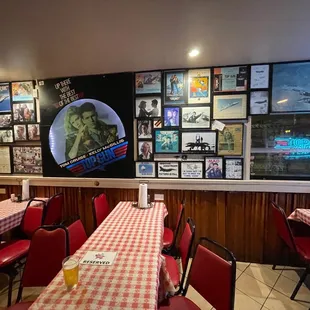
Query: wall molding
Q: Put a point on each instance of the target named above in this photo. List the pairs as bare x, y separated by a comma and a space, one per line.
163, 184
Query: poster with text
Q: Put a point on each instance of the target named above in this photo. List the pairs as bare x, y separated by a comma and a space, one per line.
199, 86
168, 170
230, 79
86, 130
192, 170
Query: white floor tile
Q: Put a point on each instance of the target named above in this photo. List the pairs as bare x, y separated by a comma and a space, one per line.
278, 269
263, 274
253, 288
244, 302
195, 297
238, 273
286, 286
278, 301
293, 273
242, 266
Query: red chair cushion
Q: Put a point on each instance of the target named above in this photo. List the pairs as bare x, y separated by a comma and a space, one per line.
21, 306
13, 250
168, 237
32, 220
77, 236
179, 303
173, 269
102, 208
303, 247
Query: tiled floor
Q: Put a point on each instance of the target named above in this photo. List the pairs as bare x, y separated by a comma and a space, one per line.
257, 287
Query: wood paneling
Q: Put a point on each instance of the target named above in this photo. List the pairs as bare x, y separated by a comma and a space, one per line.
242, 221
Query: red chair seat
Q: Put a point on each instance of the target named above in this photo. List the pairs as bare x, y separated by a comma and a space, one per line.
173, 269
21, 306
168, 237
303, 247
179, 302
11, 251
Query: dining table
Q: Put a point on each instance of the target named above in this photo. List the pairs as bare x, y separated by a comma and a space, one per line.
301, 215
137, 278
11, 213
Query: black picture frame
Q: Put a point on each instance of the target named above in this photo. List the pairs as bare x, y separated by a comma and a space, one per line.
226, 159
196, 108
148, 90
192, 163
16, 127
178, 118
169, 96
262, 104
17, 113
153, 163
205, 147
9, 162
140, 144
26, 86
6, 120
174, 147
30, 138
5, 97
217, 160
146, 105
168, 171
222, 152
149, 123
25, 168
6, 139
218, 113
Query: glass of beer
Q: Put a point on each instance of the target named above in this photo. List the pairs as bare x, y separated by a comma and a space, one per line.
70, 267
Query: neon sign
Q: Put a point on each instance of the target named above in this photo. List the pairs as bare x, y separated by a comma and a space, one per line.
294, 143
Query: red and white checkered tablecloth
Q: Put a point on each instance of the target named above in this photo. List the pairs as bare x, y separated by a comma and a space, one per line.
11, 213
132, 282
302, 215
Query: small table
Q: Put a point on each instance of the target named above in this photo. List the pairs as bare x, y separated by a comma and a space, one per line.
11, 213
302, 215
134, 279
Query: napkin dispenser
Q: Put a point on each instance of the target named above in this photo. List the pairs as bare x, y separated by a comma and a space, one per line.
143, 200
25, 190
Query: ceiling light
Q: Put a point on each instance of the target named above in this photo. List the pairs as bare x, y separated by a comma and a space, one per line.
193, 53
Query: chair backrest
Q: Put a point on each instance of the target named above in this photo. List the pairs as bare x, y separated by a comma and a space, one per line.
185, 246
101, 209
77, 236
212, 276
282, 226
53, 210
32, 218
178, 222
49, 246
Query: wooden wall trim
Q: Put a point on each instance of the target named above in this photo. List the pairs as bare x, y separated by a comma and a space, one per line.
171, 184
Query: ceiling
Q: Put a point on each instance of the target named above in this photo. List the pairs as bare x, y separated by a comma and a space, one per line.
42, 39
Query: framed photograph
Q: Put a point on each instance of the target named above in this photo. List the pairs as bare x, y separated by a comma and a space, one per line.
199, 86
145, 170
148, 82
191, 170
157, 123
175, 87
214, 168
6, 136
230, 107
6, 120
5, 98
259, 76
144, 129
22, 91
169, 170
27, 159
171, 116
5, 163
199, 142
234, 168
291, 87
196, 117
166, 141
24, 112
230, 140
148, 107
20, 132
259, 102
230, 79
145, 150
33, 131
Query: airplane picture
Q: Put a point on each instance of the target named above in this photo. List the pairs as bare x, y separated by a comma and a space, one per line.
229, 105
166, 169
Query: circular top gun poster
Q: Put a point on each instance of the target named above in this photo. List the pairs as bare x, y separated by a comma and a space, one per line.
86, 129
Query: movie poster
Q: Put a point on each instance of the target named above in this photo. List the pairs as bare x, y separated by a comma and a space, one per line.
214, 167
230, 79
5, 99
86, 130
199, 86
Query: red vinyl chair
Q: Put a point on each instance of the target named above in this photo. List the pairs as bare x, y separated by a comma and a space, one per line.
53, 211
12, 252
211, 276
77, 236
170, 237
298, 245
49, 246
184, 250
101, 209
